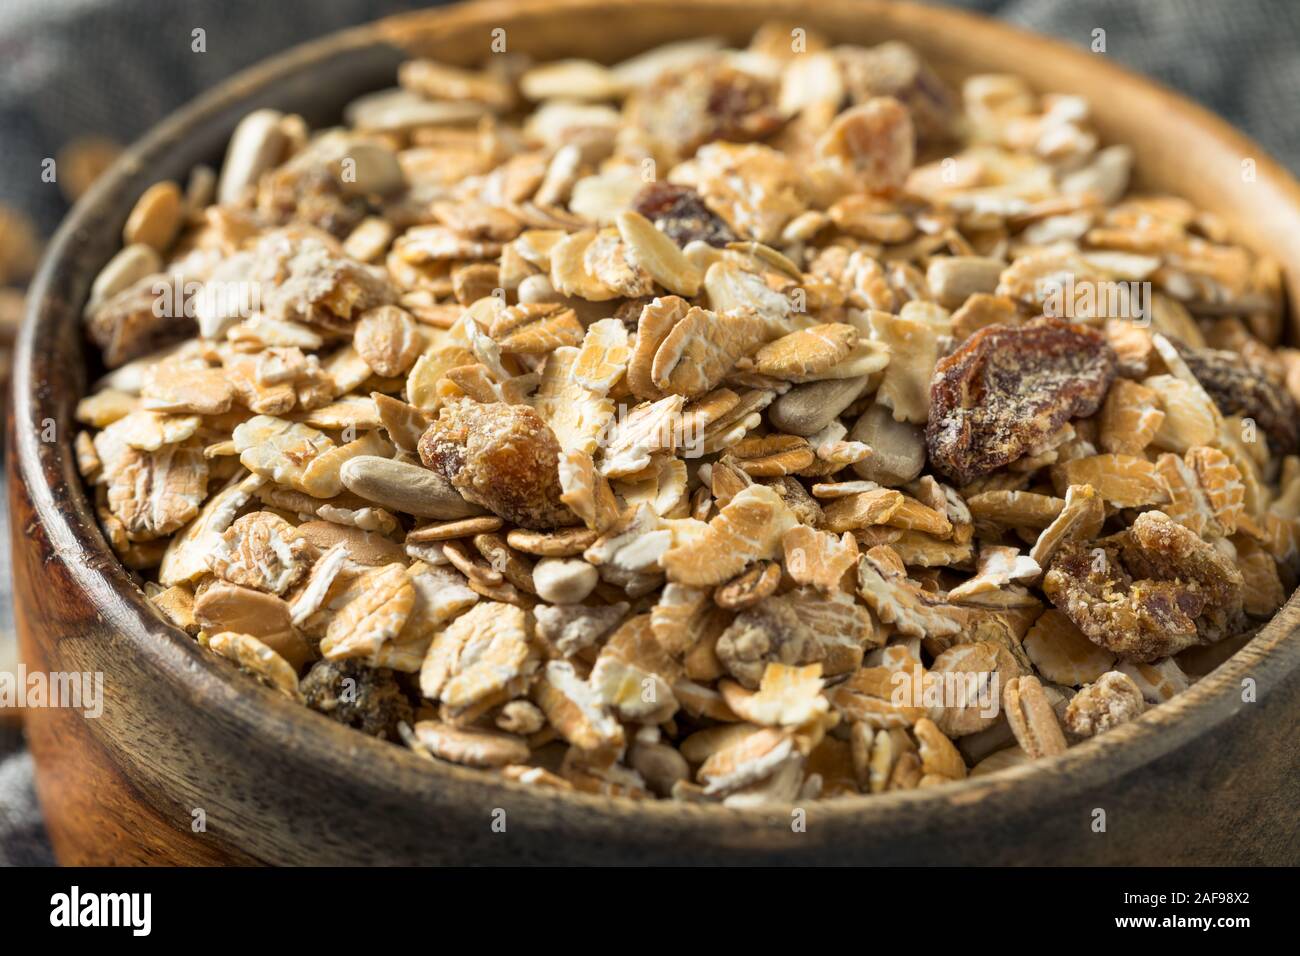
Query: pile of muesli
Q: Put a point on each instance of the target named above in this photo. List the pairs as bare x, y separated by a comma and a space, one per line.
724, 425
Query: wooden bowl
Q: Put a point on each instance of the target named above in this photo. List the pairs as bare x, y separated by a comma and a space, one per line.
1204, 778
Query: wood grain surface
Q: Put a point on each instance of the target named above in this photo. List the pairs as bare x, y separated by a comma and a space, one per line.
1205, 778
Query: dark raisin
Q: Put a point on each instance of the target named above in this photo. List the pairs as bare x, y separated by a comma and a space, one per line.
680, 213
684, 109
1241, 387
1010, 387
503, 457
367, 698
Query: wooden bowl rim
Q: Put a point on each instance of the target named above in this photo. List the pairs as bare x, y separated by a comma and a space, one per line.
49, 475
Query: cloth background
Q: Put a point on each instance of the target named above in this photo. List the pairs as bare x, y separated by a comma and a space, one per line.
71, 68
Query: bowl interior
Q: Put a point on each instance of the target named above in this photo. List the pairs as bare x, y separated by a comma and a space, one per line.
1178, 146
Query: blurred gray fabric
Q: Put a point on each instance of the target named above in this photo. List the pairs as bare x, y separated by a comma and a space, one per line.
71, 68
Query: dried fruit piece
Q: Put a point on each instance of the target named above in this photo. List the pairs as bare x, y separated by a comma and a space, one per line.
356, 695
681, 214
1148, 592
1241, 387
503, 457
1113, 700
1008, 388
683, 109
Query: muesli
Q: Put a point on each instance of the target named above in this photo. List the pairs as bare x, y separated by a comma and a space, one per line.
723, 425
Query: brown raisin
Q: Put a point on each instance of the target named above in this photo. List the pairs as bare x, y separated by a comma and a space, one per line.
1148, 592
503, 457
679, 213
1242, 387
1010, 387
684, 109
367, 698
894, 69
